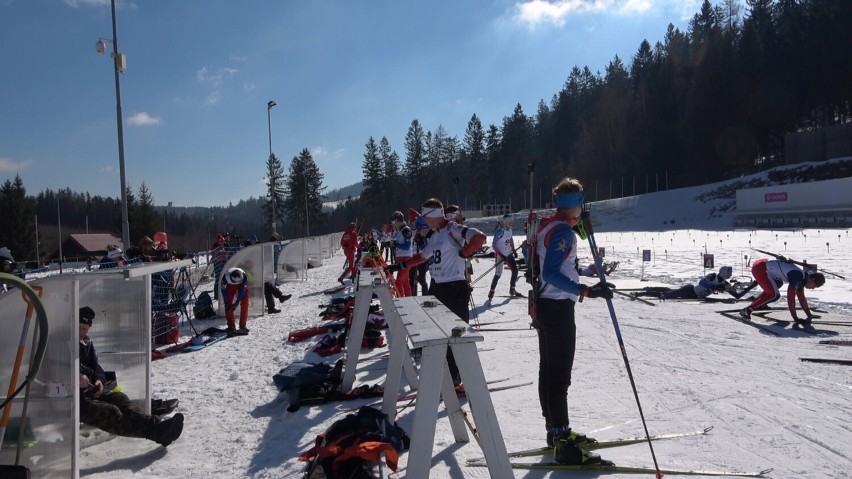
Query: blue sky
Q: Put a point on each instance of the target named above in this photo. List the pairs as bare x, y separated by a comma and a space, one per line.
200, 73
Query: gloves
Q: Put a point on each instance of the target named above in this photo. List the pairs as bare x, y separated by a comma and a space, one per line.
462, 255
230, 308
396, 267
600, 290
515, 254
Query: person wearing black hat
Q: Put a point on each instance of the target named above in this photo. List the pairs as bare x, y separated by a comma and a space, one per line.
112, 411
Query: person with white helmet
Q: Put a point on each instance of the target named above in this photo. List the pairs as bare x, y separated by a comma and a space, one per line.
235, 293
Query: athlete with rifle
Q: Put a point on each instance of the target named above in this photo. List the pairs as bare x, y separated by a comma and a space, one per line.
772, 274
556, 290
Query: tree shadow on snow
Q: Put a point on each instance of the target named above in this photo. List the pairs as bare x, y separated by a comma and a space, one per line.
135, 463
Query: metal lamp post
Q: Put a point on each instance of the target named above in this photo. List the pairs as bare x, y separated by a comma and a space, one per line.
120, 63
307, 212
269, 106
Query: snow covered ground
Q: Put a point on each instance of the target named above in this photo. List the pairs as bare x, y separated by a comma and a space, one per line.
693, 368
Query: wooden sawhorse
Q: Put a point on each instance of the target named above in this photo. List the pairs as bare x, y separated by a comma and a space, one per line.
373, 281
431, 326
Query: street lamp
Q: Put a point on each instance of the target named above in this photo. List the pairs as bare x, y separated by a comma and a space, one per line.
307, 213
269, 106
120, 63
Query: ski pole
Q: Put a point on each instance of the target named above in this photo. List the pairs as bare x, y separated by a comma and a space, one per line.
632, 297
494, 266
587, 223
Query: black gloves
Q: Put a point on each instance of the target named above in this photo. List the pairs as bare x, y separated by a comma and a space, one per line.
599, 290
393, 268
515, 254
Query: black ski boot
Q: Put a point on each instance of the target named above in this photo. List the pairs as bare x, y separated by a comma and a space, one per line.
567, 451
167, 431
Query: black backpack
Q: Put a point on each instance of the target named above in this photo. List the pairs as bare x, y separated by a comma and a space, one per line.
203, 307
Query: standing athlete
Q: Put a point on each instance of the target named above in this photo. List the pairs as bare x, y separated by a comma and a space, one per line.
556, 247
446, 252
504, 253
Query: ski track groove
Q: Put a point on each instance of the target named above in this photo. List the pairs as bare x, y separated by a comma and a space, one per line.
816, 442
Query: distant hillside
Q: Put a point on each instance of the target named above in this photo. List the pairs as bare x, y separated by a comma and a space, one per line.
706, 207
341, 194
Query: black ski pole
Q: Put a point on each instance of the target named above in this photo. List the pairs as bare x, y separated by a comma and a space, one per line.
587, 223
633, 298
492, 267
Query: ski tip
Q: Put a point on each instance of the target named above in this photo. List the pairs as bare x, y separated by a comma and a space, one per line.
765, 471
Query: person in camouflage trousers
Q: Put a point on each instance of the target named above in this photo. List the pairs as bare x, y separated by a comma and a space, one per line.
112, 411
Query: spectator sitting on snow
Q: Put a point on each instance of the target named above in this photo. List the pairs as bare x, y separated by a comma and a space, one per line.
112, 411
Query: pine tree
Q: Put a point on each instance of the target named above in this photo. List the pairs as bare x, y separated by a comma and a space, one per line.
303, 204
145, 219
391, 172
474, 152
373, 195
273, 208
17, 229
415, 158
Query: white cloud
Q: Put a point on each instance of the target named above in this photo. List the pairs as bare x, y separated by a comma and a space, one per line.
533, 13
248, 86
213, 98
87, 3
201, 74
144, 119
9, 165
119, 4
215, 78
107, 168
322, 152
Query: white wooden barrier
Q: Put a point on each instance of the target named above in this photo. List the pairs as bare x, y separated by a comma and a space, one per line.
422, 322
431, 326
372, 281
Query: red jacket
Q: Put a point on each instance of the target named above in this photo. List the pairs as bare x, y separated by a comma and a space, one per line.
349, 240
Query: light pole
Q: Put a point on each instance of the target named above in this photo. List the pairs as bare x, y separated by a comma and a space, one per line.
120, 63
272, 198
59, 227
165, 212
307, 213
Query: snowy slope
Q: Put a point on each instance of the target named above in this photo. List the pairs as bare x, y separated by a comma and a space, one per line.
693, 368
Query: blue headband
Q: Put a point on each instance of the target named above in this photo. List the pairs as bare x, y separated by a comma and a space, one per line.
569, 200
